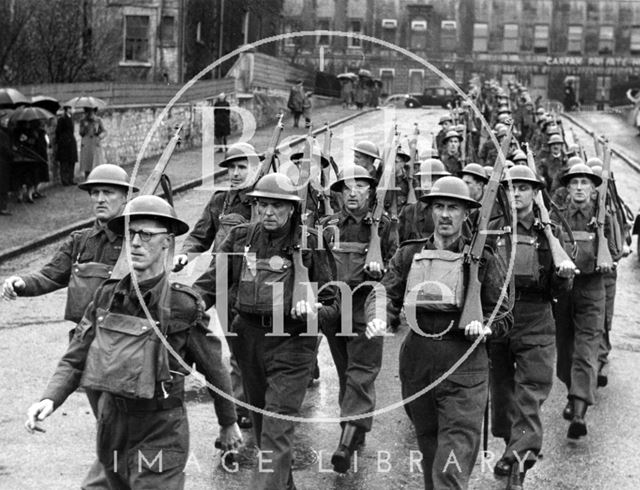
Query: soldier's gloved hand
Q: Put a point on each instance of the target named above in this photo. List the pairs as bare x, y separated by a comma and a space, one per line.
36, 413
374, 270
606, 268
567, 269
179, 261
230, 437
626, 250
475, 329
11, 284
375, 328
302, 309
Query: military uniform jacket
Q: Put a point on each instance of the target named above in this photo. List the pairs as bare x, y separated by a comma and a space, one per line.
96, 244
453, 164
415, 222
491, 275
315, 256
187, 332
204, 231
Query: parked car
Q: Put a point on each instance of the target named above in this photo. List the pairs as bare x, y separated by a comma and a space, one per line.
438, 96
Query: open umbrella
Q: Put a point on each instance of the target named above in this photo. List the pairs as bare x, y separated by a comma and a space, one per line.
86, 101
364, 73
10, 97
347, 76
45, 102
30, 114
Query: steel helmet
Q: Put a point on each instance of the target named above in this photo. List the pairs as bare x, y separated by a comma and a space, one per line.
240, 151
575, 160
540, 111
504, 109
580, 170
488, 169
445, 118
521, 173
452, 133
594, 161
152, 207
553, 128
501, 131
476, 170
555, 139
324, 161
367, 148
108, 174
433, 168
351, 173
403, 154
518, 156
503, 118
452, 188
597, 169
275, 186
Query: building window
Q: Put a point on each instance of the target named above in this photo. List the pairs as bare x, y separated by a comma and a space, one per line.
389, 29
603, 88
289, 42
386, 76
324, 39
480, 37
448, 35
635, 40
541, 39
605, 43
510, 38
578, 11
136, 40
575, 39
355, 27
419, 34
168, 30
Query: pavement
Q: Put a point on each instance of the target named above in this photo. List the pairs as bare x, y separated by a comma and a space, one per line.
32, 339
67, 208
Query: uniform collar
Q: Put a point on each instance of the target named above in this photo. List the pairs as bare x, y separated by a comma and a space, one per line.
586, 209
348, 216
150, 288
456, 246
102, 228
527, 221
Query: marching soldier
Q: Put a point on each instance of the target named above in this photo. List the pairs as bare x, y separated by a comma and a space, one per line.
475, 176
116, 353
451, 155
225, 210
365, 153
554, 164
415, 220
522, 362
276, 368
357, 359
488, 152
446, 123
580, 313
401, 181
447, 419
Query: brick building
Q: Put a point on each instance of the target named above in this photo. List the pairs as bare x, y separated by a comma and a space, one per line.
540, 42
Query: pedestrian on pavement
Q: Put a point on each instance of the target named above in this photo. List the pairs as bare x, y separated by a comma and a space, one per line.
448, 418
580, 312
357, 359
92, 132
6, 164
143, 436
296, 102
307, 105
221, 121
226, 209
276, 368
346, 93
66, 147
522, 361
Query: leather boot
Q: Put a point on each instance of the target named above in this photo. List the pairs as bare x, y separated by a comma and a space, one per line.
516, 478
341, 459
567, 413
578, 426
603, 375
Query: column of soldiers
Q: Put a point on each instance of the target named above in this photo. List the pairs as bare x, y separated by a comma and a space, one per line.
268, 230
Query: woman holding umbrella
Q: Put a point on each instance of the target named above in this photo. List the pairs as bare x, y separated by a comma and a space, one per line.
92, 132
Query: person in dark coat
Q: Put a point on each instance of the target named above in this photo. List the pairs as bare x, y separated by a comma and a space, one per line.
66, 147
6, 159
222, 121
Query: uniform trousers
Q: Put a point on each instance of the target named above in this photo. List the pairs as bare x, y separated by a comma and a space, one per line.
448, 418
358, 362
521, 376
610, 294
275, 372
579, 326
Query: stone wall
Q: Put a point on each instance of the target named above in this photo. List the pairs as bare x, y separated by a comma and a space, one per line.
127, 126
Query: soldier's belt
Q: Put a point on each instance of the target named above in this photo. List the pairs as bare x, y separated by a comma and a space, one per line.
153, 405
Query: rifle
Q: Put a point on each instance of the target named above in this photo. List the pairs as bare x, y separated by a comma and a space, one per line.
121, 268
301, 288
603, 259
269, 161
558, 253
413, 153
582, 151
326, 172
596, 145
374, 251
472, 309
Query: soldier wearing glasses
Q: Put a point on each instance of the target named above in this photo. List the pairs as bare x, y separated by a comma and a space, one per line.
143, 437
